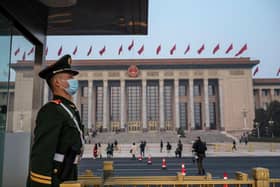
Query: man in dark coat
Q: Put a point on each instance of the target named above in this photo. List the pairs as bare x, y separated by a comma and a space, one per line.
199, 148
58, 135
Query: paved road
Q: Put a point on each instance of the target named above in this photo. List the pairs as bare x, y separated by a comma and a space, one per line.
215, 165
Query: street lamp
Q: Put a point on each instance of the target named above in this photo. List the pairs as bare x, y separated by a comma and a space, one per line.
271, 122
257, 125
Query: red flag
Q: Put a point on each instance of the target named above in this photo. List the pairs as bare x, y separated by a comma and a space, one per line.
199, 51
89, 51
59, 51
31, 51
256, 71
17, 51
172, 50
229, 48
158, 49
187, 49
23, 56
278, 73
141, 50
131, 45
46, 51
244, 48
102, 51
216, 48
75, 50
120, 49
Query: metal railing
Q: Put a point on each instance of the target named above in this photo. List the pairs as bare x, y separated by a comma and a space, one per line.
260, 178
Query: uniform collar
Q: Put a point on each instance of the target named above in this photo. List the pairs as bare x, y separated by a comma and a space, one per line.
64, 100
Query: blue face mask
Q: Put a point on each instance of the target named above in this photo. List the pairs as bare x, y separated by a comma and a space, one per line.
73, 86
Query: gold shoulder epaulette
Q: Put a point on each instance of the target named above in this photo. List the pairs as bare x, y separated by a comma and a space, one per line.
56, 101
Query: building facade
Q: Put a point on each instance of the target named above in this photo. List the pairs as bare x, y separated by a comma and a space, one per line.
155, 94
265, 91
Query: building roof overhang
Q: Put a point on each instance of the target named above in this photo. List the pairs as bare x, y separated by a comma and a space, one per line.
120, 64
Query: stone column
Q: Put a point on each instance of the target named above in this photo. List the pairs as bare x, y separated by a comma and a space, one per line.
161, 104
89, 104
105, 105
122, 109
206, 103
144, 106
191, 105
221, 101
177, 111
272, 94
46, 92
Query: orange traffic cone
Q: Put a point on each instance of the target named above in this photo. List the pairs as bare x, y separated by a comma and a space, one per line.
183, 170
163, 164
149, 161
225, 178
140, 158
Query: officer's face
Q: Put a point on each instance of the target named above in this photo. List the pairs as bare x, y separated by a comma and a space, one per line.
60, 80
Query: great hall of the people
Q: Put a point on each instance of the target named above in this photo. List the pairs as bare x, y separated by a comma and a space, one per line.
157, 94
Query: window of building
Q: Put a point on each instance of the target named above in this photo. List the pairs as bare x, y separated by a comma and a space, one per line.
183, 115
212, 115
211, 90
197, 115
152, 101
134, 101
183, 88
276, 92
197, 89
265, 92
255, 92
168, 101
115, 103
99, 103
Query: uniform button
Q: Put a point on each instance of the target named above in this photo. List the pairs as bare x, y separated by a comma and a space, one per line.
55, 170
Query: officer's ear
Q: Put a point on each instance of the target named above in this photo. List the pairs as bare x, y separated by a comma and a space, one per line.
55, 82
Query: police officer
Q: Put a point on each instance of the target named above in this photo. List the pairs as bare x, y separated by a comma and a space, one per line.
58, 135
199, 148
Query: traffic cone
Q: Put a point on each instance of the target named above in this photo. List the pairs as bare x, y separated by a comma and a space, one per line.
225, 178
183, 170
140, 158
149, 161
163, 164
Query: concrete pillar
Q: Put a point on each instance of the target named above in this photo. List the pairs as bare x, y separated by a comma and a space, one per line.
271, 94
261, 177
221, 102
144, 104
122, 109
191, 105
89, 104
161, 104
105, 105
177, 111
46, 92
206, 104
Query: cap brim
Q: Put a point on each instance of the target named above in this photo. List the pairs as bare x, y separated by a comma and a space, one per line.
73, 72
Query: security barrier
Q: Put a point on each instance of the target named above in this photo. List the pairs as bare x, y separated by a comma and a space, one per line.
260, 178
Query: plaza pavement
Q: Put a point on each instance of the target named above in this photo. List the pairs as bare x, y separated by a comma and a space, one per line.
253, 149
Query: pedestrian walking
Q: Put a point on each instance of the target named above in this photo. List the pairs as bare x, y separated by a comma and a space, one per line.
161, 145
132, 150
99, 150
234, 145
95, 151
168, 148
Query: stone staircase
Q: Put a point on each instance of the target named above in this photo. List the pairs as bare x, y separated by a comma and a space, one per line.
155, 137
